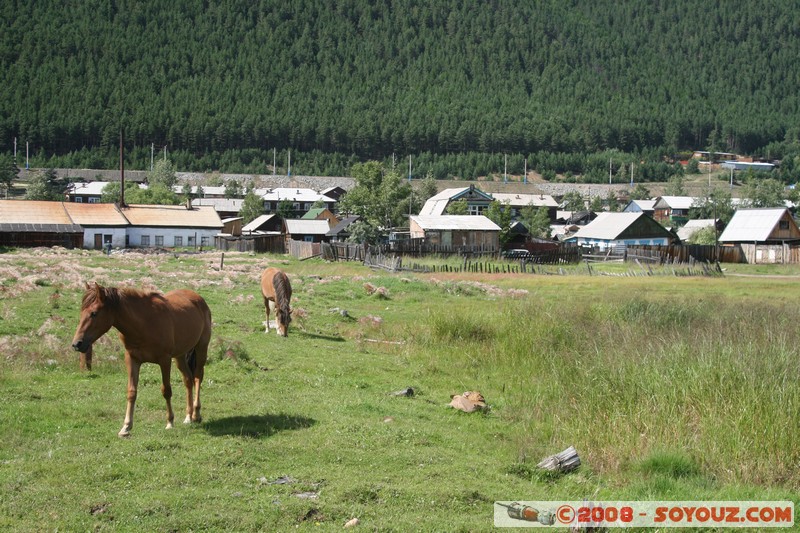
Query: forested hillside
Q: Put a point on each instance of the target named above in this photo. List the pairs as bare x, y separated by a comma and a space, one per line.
365, 79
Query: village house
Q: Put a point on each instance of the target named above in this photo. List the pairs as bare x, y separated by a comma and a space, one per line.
307, 230
768, 235
641, 206
98, 226
672, 209
301, 200
618, 230
477, 201
518, 202
456, 231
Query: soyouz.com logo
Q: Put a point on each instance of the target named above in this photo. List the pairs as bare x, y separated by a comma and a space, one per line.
758, 514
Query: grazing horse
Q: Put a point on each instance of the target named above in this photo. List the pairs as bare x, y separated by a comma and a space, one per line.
277, 293
154, 328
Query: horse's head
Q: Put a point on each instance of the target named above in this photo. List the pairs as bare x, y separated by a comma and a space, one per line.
283, 319
96, 317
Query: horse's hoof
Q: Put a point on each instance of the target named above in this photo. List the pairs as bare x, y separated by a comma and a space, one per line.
124, 434
169, 425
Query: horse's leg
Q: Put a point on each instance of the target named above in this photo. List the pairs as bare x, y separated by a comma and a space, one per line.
86, 359
133, 383
201, 355
266, 306
166, 391
188, 382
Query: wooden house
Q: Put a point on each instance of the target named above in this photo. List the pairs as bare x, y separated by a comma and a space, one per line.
321, 213
477, 201
617, 230
518, 202
307, 230
456, 231
761, 226
672, 209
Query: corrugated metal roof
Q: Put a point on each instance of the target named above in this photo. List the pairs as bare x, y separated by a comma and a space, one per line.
434, 207
94, 188
752, 225
293, 194
297, 226
455, 222
33, 212
172, 216
607, 226
257, 222
40, 228
674, 202
95, 214
437, 204
343, 225
693, 225
523, 200
220, 204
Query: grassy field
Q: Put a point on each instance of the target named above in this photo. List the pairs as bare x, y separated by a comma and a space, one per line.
670, 388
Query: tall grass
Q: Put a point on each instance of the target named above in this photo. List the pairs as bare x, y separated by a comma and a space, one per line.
632, 375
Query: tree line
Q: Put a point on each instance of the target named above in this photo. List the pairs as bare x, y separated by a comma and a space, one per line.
455, 84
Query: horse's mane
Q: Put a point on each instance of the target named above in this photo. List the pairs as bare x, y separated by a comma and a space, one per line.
112, 296
282, 295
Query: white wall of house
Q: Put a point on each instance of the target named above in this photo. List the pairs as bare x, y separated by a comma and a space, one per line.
115, 236
605, 245
153, 237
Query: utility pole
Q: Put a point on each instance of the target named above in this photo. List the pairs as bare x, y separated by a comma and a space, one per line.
505, 169
289, 164
165, 152
27, 151
152, 154
121, 168
525, 170
273, 161
15, 151
409, 168
609, 171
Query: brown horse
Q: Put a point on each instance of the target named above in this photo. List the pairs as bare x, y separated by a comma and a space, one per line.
277, 293
154, 328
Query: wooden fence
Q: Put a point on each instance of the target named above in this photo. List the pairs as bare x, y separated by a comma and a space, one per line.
261, 244
342, 251
419, 247
304, 250
685, 253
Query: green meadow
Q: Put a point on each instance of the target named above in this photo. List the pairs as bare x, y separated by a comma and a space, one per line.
670, 388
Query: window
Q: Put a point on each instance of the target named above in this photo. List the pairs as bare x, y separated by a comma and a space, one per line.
784, 224
476, 209
94, 200
106, 239
190, 241
308, 238
306, 206
159, 240
203, 241
78, 200
178, 241
296, 206
145, 240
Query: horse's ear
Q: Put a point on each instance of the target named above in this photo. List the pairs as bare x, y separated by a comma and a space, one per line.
101, 292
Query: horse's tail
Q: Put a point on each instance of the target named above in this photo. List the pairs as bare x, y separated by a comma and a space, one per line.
191, 362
